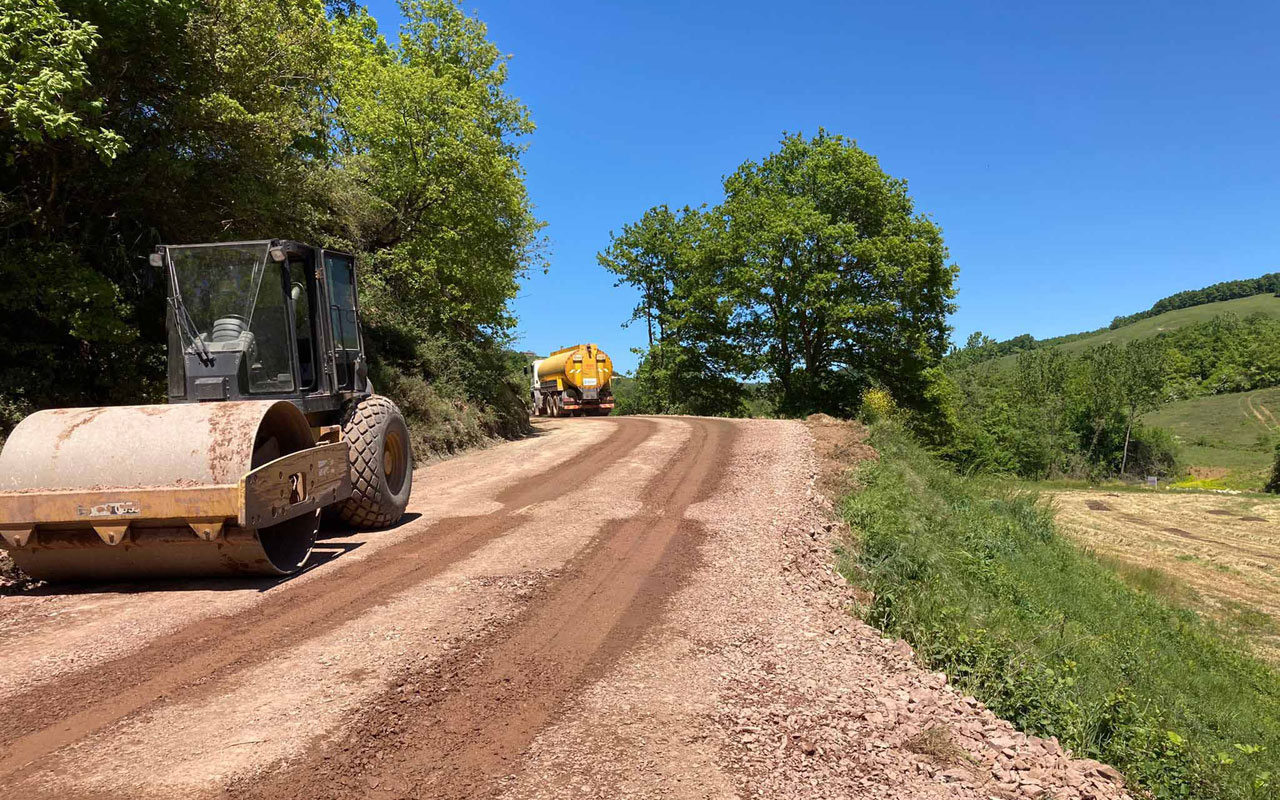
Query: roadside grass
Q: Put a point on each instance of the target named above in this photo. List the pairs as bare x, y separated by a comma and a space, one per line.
1151, 580
973, 573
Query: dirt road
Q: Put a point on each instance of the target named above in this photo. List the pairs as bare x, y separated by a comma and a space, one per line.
686, 638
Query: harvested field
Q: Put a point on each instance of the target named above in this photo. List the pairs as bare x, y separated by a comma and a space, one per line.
1216, 554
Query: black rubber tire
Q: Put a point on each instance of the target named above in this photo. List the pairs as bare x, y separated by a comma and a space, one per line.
381, 459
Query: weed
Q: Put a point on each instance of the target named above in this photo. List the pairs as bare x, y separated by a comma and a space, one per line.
935, 742
1249, 619
1153, 581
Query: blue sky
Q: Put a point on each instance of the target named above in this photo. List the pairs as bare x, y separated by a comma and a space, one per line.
1083, 159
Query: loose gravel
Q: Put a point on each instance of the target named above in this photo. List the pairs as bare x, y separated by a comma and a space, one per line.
760, 683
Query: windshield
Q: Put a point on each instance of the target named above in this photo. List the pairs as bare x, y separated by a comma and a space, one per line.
231, 299
219, 283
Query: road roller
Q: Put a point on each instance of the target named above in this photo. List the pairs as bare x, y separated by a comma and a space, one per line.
573, 381
270, 421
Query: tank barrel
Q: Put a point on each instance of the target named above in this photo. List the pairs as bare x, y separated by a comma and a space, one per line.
575, 380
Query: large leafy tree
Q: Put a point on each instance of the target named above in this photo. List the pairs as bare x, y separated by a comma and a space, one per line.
815, 273
651, 255
842, 283
1143, 380
434, 141
678, 264
163, 120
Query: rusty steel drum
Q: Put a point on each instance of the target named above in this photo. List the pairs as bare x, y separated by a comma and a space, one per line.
130, 491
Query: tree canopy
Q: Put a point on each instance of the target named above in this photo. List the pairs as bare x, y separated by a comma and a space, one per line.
135, 122
815, 274
1056, 414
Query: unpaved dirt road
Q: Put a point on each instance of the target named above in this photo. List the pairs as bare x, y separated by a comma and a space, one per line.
634, 607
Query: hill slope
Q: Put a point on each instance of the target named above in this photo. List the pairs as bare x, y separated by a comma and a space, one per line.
1266, 304
1227, 440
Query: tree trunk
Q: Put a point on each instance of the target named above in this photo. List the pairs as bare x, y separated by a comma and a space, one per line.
648, 310
1128, 429
1093, 443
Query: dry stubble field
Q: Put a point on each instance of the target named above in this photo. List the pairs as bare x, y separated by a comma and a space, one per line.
1217, 554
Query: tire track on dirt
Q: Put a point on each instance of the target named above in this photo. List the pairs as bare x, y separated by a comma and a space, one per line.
473, 714
1231, 547
1275, 424
1220, 543
1263, 416
80, 703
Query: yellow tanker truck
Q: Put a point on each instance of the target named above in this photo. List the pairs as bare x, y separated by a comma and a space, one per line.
572, 382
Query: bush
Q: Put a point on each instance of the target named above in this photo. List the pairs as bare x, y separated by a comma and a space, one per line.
1273, 483
454, 394
877, 405
976, 577
12, 411
1152, 451
675, 380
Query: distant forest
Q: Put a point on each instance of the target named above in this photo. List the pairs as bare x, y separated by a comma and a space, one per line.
1227, 290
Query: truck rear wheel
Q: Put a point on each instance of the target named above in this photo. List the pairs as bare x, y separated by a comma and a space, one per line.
381, 463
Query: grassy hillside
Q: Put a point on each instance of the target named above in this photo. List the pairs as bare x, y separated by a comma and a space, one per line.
1267, 304
1228, 440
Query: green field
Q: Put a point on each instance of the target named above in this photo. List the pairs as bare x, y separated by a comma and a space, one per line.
1268, 304
1227, 440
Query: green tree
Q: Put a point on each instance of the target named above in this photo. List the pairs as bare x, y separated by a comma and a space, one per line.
840, 283
44, 76
676, 260
133, 122
1039, 395
815, 272
212, 110
1098, 396
432, 140
650, 255
1142, 384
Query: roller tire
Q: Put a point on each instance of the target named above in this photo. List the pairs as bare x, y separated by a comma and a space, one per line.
372, 427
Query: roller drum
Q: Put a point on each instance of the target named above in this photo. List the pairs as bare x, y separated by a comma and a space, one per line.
156, 447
